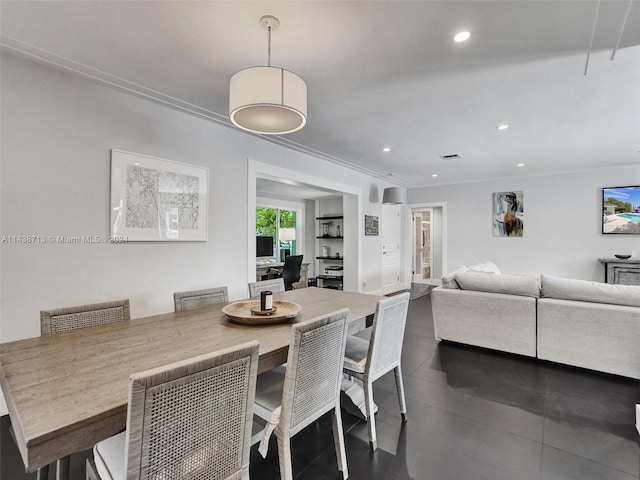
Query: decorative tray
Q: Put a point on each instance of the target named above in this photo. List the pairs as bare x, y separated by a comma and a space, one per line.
241, 312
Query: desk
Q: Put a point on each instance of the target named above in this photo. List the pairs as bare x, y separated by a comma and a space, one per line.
66, 392
262, 270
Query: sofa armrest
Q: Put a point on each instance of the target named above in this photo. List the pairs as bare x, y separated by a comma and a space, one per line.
491, 320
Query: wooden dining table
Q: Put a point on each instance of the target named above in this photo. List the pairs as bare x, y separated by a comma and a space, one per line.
66, 392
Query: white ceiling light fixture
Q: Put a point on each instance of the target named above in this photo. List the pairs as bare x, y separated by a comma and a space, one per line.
268, 100
386, 149
502, 126
392, 196
462, 37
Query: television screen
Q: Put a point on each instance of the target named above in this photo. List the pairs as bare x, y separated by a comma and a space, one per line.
621, 210
264, 246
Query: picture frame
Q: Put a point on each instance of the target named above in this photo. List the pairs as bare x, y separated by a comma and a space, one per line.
371, 225
621, 210
157, 200
508, 214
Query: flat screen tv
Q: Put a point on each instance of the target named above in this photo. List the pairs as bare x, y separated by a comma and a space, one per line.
264, 247
621, 210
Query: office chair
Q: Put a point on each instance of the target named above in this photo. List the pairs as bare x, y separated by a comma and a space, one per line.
291, 270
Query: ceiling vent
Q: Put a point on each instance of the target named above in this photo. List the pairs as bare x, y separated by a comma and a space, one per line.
455, 156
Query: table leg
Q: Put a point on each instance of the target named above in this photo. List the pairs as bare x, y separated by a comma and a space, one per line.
62, 468
352, 398
43, 473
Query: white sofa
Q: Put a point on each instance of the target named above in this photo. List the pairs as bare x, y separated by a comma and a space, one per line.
589, 324
576, 322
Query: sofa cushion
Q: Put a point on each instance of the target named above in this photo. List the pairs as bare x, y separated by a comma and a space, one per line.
525, 285
449, 281
587, 291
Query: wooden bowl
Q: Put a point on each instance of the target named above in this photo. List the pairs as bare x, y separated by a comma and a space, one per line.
622, 257
241, 312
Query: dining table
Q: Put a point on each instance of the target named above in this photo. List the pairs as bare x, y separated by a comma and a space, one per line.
66, 392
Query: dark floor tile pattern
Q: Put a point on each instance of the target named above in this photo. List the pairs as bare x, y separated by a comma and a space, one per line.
472, 414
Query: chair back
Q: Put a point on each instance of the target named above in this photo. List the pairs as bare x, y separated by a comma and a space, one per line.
291, 269
62, 320
314, 371
199, 298
192, 419
385, 346
274, 285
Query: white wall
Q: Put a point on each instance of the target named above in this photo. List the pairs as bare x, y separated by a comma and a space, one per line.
57, 133
562, 223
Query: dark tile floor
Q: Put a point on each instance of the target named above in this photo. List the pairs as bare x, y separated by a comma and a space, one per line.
472, 414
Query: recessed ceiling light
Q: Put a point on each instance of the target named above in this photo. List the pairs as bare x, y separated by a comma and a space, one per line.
386, 149
520, 165
462, 36
502, 126
434, 175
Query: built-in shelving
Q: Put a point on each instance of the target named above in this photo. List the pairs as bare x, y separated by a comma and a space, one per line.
330, 240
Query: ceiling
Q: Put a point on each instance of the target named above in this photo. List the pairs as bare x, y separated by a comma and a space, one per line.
379, 74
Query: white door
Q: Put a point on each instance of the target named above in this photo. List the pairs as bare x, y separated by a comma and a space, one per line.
391, 234
421, 244
417, 242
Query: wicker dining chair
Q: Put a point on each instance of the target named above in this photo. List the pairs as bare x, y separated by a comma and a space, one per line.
190, 419
290, 398
274, 285
66, 319
369, 360
199, 298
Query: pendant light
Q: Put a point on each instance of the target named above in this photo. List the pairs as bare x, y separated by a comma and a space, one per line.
268, 100
392, 196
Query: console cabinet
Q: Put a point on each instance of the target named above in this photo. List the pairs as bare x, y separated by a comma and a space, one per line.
623, 272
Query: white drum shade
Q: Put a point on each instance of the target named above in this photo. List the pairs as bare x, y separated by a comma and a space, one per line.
268, 100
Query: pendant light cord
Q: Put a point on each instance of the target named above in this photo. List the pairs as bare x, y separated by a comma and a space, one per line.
269, 47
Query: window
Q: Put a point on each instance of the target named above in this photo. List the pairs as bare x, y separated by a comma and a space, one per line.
280, 224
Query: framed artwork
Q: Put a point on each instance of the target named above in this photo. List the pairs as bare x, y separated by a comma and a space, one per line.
370, 225
508, 214
153, 199
621, 210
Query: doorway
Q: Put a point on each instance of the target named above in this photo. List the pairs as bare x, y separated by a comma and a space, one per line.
422, 240
427, 245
